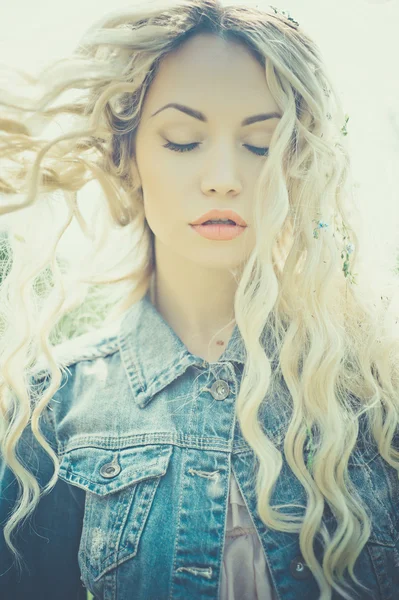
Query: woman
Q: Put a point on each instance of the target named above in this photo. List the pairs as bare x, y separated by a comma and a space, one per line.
231, 429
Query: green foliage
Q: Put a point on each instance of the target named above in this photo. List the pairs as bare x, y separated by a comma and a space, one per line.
76, 322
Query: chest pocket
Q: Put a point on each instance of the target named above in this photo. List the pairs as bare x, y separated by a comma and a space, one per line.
120, 487
376, 483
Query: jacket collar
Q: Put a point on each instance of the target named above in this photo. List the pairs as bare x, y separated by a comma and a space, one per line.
153, 355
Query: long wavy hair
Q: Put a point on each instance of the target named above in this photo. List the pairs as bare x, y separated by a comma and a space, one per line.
335, 341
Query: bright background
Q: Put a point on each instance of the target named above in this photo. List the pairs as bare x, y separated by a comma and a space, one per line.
360, 44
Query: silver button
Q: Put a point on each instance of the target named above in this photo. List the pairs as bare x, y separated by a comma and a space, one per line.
220, 389
111, 469
299, 569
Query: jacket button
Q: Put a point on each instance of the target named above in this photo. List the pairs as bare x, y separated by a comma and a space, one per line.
299, 568
111, 469
220, 389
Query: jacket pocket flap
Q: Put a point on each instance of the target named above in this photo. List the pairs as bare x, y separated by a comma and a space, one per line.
104, 471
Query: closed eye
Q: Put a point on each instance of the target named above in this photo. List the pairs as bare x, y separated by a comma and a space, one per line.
189, 147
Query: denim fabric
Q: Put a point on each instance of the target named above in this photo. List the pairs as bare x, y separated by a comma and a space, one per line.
147, 435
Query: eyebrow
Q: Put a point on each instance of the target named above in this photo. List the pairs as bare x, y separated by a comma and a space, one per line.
201, 117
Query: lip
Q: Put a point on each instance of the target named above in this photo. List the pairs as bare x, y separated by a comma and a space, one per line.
218, 231
220, 214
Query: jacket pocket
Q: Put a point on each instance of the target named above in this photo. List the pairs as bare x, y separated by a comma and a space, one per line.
383, 542
120, 486
384, 559
377, 564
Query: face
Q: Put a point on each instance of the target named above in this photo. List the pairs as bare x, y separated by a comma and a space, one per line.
221, 158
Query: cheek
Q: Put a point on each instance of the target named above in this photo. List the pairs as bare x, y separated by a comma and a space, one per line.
161, 177
165, 203
163, 212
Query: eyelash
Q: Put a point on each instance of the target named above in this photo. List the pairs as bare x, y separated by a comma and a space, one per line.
192, 146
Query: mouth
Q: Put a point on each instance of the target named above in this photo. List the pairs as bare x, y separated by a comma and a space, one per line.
228, 223
221, 218
219, 223
218, 231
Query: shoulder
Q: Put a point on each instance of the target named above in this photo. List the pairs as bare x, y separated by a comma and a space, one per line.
88, 346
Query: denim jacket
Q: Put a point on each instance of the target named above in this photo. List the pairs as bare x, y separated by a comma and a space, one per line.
147, 437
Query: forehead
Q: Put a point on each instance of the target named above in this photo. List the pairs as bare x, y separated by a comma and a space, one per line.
212, 75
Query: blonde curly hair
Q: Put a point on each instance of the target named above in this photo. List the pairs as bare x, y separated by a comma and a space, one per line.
336, 353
